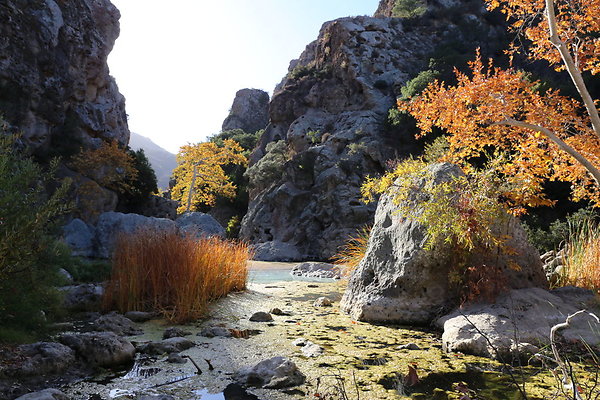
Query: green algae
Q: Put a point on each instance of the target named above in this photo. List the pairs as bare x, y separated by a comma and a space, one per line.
366, 356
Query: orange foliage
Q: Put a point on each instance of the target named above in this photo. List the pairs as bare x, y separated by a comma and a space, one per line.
487, 109
175, 275
109, 165
543, 135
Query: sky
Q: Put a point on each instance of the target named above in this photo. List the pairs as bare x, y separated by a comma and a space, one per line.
179, 63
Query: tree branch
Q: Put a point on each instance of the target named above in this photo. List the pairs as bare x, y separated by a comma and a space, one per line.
572, 68
559, 142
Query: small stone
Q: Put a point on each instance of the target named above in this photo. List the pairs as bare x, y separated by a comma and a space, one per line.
322, 302
409, 346
311, 349
261, 316
175, 332
215, 331
277, 311
176, 358
274, 373
313, 286
116, 323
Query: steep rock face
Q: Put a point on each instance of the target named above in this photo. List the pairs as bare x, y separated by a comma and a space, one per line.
330, 110
249, 111
54, 81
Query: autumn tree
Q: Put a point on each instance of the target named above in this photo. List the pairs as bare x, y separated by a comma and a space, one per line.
109, 165
542, 135
200, 177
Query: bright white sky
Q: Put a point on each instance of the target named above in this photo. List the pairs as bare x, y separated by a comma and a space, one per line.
180, 62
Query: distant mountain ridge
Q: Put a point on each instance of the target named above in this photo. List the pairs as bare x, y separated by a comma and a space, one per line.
162, 161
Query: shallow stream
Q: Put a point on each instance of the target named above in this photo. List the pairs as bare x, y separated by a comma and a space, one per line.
364, 356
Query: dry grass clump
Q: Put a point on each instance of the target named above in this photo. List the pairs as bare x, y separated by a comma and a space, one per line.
352, 253
175, 275
582, 257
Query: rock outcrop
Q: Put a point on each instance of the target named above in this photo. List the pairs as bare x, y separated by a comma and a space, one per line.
249, 111
331, 111
400, 281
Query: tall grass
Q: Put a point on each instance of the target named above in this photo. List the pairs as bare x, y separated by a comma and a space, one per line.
351, 254
582, 258
175, 275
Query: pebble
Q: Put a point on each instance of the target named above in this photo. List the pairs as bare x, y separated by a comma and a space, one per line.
322, 302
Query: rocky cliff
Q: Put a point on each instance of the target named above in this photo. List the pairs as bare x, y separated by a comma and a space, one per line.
331, 111
55, 86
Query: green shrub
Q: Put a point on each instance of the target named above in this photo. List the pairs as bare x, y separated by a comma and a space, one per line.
141, 185
269, 168
417, 84
314, 137
233, 227
409, 8
558, 232
28, 215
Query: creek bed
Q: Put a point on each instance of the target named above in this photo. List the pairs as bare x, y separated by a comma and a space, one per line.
364, 355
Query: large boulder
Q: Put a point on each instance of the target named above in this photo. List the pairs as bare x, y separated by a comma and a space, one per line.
400, 281
317, 270
249, 111
199, 225
519, 320
101, 349
111, 224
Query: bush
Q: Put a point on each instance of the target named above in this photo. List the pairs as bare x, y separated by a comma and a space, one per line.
558, 232
177, 276
268, 169
27, 218
416, 85
409, 8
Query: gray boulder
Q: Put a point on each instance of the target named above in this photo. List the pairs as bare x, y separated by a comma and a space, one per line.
175, 332
249, 111
276, 251
111, 224
102, 349
261, 316
84, 297
519, 322
317, 270
400, 281
79, 236
166, 346
46, 394
44, 358
116, 323
199, 224
274, 373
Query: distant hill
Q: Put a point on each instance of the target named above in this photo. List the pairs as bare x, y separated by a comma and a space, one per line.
161, 160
